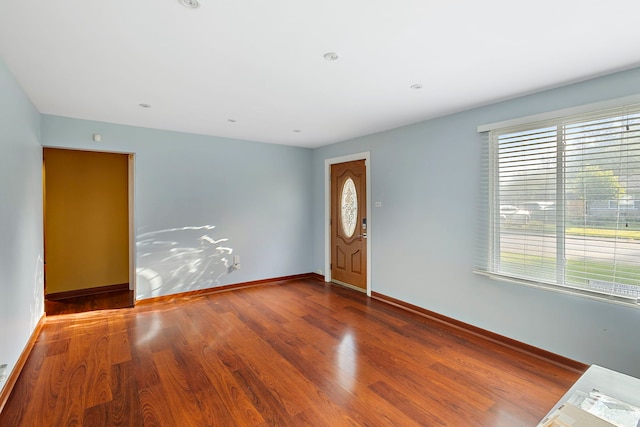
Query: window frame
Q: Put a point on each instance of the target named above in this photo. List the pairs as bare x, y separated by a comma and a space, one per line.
489, 236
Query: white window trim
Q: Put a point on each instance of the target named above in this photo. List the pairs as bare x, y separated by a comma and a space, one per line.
571, 111
541, 118
566, 290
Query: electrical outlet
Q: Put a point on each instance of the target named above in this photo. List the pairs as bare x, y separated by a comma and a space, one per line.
3, 372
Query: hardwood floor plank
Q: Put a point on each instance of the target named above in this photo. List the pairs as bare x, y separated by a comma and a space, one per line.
270, 316
72, 397
99, 384
253, 350
227, 403
124, 409
508, 414
82, 304
96, 416
119, 349
58, 347
456, 383
25, 388
187, 360
146, 372
397, 399
380, 363
155, 412
292, 354
271, 408
50, 388
227, 356
179, 399
349, 382
39, 404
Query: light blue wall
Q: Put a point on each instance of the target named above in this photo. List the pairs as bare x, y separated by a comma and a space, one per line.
267, 201
256, 195
423, 237
21, 284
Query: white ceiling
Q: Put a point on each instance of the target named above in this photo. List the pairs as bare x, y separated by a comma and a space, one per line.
261, 62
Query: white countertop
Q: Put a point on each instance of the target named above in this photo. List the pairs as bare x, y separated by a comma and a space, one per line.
611, 383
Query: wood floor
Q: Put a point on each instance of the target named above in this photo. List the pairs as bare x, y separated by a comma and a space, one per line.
106, 301
301, 353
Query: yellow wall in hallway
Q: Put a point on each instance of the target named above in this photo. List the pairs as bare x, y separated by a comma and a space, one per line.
86, 219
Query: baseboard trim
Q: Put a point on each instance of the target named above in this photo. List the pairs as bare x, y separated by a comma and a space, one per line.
17, 369
510, 343
317, 276
224, 288
57, 296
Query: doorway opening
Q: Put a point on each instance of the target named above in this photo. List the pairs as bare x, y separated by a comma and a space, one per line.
88, 230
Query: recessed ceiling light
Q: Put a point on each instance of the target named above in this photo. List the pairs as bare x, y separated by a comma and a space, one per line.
331, 56
297, 130
231, 120
191, 4
145, 105
416, 86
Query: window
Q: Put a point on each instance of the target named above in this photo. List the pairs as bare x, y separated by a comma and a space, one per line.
561, 204
348, 207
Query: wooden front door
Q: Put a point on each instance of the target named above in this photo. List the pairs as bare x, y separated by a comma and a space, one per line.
349, 224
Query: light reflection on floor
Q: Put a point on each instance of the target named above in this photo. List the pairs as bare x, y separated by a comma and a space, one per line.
152, 327
347, 354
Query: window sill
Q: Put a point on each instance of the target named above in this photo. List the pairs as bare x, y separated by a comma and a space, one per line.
567, 290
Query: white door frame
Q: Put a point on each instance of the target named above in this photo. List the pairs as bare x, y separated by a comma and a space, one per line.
133, 276
327, 211
131, 168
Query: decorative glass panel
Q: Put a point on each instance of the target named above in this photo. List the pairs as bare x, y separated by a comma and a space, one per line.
349, 207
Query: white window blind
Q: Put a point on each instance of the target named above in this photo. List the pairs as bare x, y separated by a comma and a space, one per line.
561, 204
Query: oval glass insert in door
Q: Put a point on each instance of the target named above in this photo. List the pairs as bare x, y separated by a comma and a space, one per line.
348, 207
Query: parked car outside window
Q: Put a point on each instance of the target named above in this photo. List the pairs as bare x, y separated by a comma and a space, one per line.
513, 214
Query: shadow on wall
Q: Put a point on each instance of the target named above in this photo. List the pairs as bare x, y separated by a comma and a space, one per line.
180, 260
